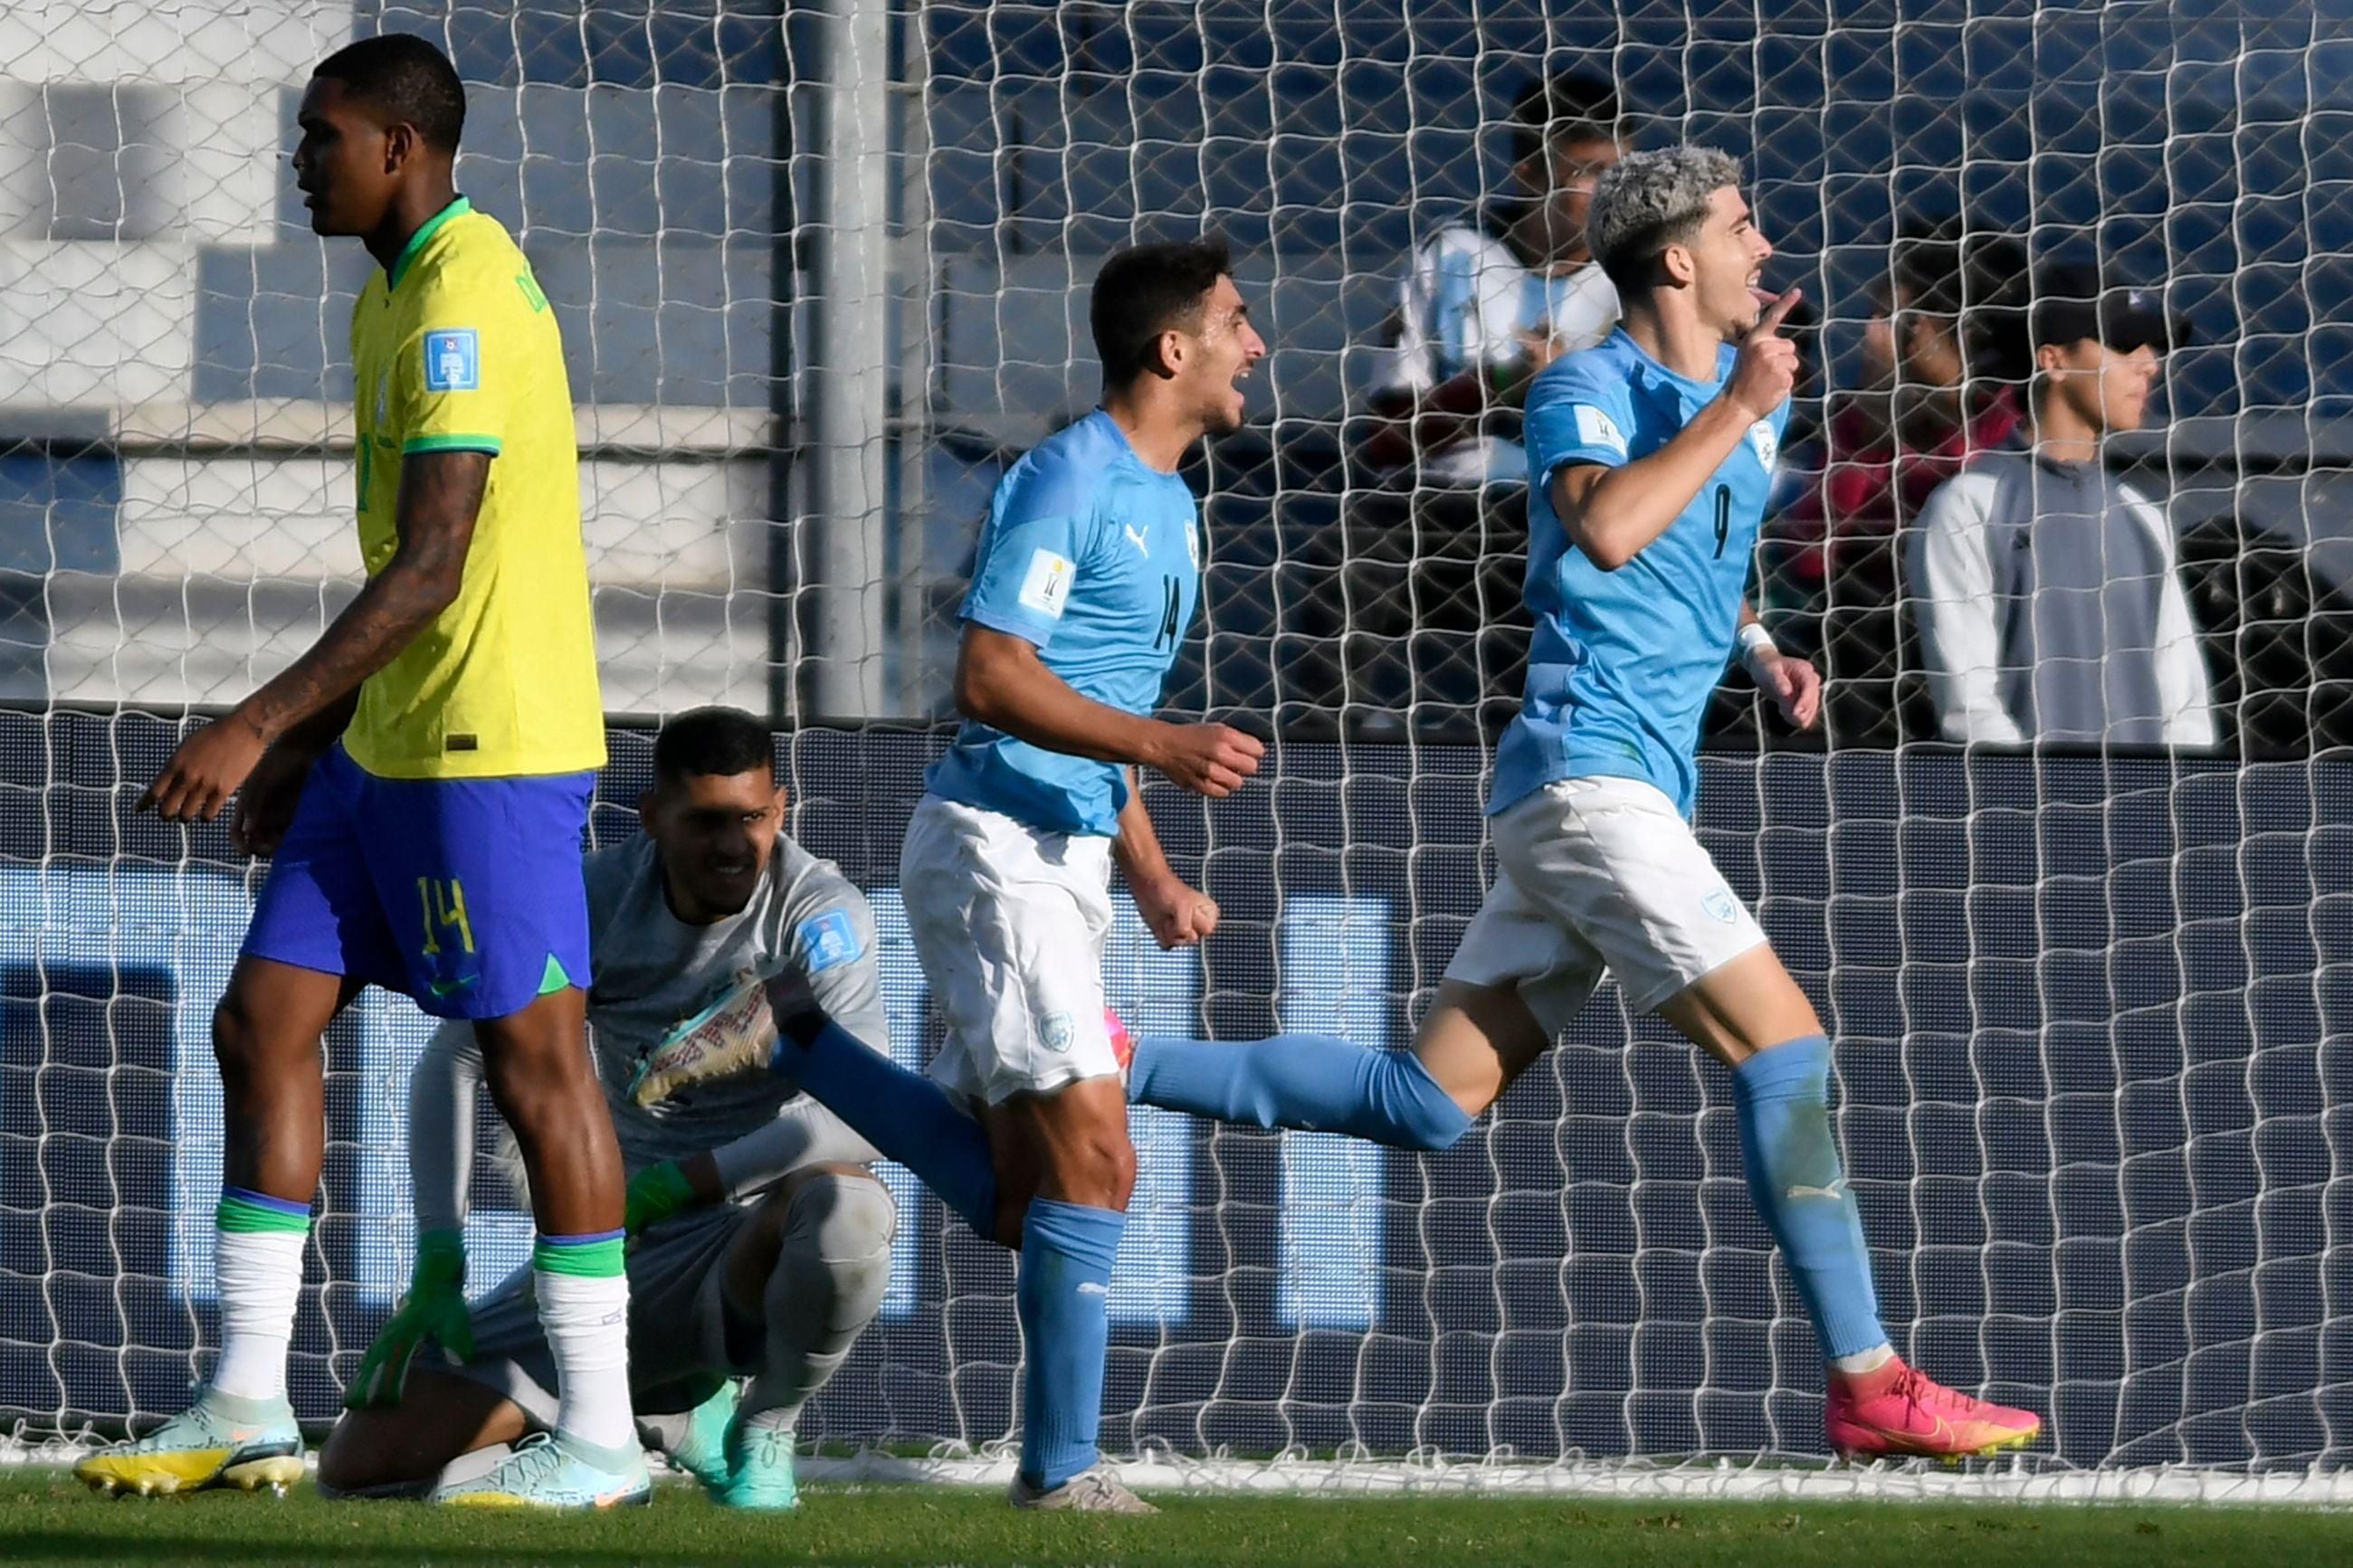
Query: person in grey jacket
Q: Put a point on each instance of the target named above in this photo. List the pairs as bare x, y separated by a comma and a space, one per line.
2048, 602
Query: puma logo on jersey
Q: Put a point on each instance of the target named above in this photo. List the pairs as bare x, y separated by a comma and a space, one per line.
1834, 1192
1142, 542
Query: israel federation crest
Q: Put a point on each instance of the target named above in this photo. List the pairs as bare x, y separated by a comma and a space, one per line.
1054, 1030
1721, 907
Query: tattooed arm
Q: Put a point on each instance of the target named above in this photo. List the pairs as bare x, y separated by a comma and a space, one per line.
440, 495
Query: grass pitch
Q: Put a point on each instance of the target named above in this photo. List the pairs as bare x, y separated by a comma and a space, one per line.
46, 1518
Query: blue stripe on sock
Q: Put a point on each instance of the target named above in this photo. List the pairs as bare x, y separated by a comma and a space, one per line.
1063, 1297
591, 1238
1800, 1191
263, 1200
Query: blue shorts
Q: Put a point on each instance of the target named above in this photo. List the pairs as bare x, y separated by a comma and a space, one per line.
465, 894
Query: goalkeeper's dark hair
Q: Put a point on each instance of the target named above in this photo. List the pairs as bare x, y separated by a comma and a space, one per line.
1562, 111
406, 77
1146, 291
707, 743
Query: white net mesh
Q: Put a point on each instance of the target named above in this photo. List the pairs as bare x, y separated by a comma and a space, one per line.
820, 277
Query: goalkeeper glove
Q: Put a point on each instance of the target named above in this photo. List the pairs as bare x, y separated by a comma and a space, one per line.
655, 1194
434, 1309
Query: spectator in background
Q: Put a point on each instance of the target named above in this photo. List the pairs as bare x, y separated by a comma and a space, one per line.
1410, 612
1937, 390
2049, 605
1495, 298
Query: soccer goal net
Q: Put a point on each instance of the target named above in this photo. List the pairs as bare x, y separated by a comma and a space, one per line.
821, 272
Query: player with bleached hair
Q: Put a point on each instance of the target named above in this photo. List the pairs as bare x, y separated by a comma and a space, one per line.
1650, 460
1650, 456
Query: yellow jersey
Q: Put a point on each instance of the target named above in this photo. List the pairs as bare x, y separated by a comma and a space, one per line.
456, 350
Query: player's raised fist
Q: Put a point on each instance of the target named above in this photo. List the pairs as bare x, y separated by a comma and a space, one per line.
1209, 759
1766, 367
1175, 913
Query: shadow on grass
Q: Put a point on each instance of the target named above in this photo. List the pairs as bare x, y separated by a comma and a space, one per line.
91, 1547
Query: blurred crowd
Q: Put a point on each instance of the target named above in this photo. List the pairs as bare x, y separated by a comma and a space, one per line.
1947, 540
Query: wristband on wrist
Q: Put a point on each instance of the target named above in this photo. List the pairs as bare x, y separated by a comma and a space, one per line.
1753, 641
441, 1258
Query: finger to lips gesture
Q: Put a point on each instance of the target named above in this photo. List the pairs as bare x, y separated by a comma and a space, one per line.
1764, 369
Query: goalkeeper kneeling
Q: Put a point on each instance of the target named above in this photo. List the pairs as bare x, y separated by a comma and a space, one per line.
759, 1242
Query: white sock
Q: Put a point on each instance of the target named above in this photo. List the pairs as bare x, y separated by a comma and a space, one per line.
1863, 1361
588, 1322
259, 1276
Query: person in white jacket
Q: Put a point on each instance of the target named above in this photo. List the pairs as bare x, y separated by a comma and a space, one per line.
2049, 604
1493, 298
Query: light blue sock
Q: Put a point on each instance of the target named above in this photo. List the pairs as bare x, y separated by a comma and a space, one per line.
905, 1114
1801, 1190
1063, 1298
1311, 1082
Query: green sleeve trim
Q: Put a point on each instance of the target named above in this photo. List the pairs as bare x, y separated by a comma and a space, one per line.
238, 1216
451, 444
457, 208
604, 1259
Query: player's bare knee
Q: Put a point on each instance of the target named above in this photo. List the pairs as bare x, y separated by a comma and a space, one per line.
541, 1086
237, 1041
1092, 1163
440, 1416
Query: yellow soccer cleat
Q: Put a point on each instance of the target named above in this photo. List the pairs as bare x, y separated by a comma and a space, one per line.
220, 1441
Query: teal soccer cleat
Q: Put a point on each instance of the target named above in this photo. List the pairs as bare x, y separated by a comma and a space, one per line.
761, 1476
701, 1452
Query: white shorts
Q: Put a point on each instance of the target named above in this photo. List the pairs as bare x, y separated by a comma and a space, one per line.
1600, 873
1009, 923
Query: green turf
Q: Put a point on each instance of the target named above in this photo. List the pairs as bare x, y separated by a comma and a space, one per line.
45, 1518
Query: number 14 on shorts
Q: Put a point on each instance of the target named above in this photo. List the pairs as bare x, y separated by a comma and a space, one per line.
442, 902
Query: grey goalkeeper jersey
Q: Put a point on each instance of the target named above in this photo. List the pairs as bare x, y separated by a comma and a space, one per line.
655, 977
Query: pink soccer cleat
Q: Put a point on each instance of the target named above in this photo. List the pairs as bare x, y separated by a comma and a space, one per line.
1897, 1410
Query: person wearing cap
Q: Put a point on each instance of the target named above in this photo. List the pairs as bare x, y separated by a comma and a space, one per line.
2048, 605
1939, 388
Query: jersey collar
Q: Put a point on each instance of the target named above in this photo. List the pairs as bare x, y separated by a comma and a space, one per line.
1652, 371
457, 207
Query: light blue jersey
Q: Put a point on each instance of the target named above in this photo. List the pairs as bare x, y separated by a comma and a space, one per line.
1095, 557
1623, 662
